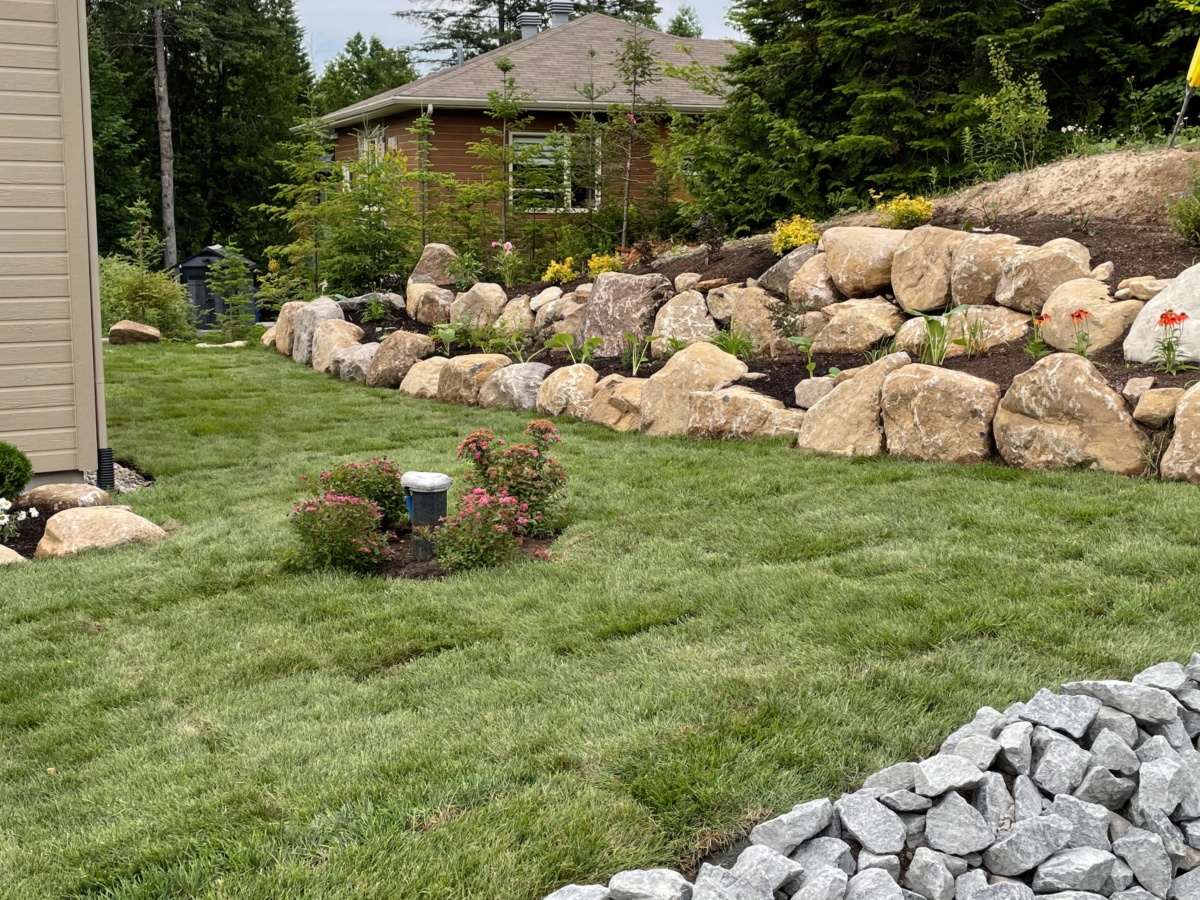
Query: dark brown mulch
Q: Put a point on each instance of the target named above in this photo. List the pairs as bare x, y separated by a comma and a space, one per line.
402, 565
27, 538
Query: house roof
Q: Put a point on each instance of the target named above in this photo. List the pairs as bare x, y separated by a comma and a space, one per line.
548, 68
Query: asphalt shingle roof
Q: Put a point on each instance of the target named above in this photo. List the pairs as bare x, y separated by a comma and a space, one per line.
549, 67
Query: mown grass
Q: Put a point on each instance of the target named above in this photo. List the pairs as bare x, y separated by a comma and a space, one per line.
725, 629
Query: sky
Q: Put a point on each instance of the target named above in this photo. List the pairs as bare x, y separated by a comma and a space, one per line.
330, 23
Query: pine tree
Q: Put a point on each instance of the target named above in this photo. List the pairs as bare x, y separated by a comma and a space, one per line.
686, 23
362, 69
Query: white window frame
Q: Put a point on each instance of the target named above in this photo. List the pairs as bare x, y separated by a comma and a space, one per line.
523, 137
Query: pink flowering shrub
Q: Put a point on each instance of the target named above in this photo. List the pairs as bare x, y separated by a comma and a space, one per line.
525, 472
483, 532
377, 481
338, 531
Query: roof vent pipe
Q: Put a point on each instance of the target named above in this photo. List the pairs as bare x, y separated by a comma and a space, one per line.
560, 12
529, 22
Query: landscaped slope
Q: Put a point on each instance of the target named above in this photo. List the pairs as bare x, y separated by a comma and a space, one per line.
725, 629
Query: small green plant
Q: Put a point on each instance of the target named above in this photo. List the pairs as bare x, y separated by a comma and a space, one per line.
937, 329
734, 342
805, 346
637, 351
1183, 213
132, 286
377, 480
1166, 348
903, 211
672, 345
1035, 345
787, 317
230, 279
507, 263
792, 233
601, 263
16, 471
975, 331
519, 344
481, 533
875, 354
560, 272
485, 338
524, 471
337, 532
376, 310
1083, 222
444, 336
1083, 337
582, 353
10, 522
1018, 112
465, 269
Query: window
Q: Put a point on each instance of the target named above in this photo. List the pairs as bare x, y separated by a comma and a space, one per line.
370, 144
553, 172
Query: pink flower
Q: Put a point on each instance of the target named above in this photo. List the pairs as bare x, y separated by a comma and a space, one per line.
507, 246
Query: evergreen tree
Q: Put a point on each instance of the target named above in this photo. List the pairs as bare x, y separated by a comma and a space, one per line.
361, 70
686, 23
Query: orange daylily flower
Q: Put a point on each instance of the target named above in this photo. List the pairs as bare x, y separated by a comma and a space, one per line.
1079, 315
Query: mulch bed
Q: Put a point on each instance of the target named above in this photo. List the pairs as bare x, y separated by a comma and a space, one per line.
27, 538
401, 564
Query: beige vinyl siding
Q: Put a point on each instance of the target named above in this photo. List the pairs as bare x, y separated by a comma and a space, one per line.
49, 351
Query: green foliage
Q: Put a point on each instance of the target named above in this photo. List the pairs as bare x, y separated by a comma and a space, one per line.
637, 351
377, 480
444, 336
16, 471
466, 269
580, 353
132, 287
1183, 213
937, 335
362, 69
561, 272
337, 532
526, 472
230, 279
1018, 109
480, 534
685, 22
735, 342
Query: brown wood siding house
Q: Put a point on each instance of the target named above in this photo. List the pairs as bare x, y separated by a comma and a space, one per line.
548, 66
51, 371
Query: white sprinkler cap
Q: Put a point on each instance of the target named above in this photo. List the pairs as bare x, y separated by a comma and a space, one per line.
426, 482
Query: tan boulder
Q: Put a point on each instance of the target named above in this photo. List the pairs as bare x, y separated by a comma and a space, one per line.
1029, 277
92, 528
549, 314
848, 421
1134, 388
616, 403
285, 324
987, 326
730, 412
685, 318
329, 337
856, 326
859, 258
783, 423
351, 363
513, 387
436, 265
129, 332
429, 304
424, 376
268, 337
811, 287
720, 301
1061, 413
978, 263
1146, 290
584, 292
810, 390
516, 317
544, 296
398, 353
567, 391
9, 556
480, 306
1106, 322
751, 315
1156, 407
49, 499
777, 278
621, 303
686, 281
305, 323
700, 367
709, 284
460, 380
938, 415
922, 267
1181, 462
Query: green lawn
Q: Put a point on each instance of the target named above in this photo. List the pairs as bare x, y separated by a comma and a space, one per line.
724, 630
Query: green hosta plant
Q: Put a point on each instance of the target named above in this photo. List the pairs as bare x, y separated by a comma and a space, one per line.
638, 351
444, 336
937, 335
582, 353
805, 346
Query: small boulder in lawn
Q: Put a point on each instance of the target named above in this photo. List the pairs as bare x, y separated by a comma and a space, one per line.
49, 499
1156, 407
351, 363
621, 303
285, 325
9, 556
423, 377
848, 421
567, 391
731, 412
938, 415
398, 353
682, 318
777, 278
92, 528
811, 287
304, 325
328, 338
461, 380
130, 332
513, 387
1028, 278
649, 884
479, 306
859, 259
616, 403
268, 337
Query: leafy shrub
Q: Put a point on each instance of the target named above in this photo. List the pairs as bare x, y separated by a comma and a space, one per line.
338, 532
16, 471
143, 295
483, 532
466, 269
600, 263
734, 342
1183, 213
792, 233
377, 481
903, 211
560, 272
526, 471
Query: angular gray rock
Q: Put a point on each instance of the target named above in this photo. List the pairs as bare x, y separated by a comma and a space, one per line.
787, 832
969, 884
1133, 893
979, 749
580, 892
956, 864
994, 802
1154, 747
824, 853
987, 721
905, 802
827, 884
1103, 787
1122, 724
1016, 750
715, 883
1027, 844
761, 862
1187, 886
1071, 714
649, 884
1166, 676
1079, 869
1145, 854
1005, 890
352, 363
928, 876
873, 884
1110, 751
513, 387
1026, 797
1059, 764
1146, 704
777, 278
954, 826
945, 772
1160, 785
900, 777
889, 864
914, 828
1119, 879
872, 824
1089, 822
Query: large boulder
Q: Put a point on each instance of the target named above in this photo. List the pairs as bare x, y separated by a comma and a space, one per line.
856, 326
305, 323
1181, 296
561, 316
684, 318
859, 258
1029, 277
480, 306
1106, 321
328, 338
619, 303
435, 266
1181, 462
92, 528
567, 391
1061, 414
285, 324
700, 367
129, 332
751, 315
811, 287
398, 353
777, 278
391, 301
922, 267
731, 412
978, 263
516, 317
616, 403
268, 337
351, 363
938, 415
460, 380
990, 326
848, 420
424, 377
514, 387
429, 304
720, 301
49, 499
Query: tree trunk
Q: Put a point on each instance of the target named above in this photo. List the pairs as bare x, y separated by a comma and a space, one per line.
166, 150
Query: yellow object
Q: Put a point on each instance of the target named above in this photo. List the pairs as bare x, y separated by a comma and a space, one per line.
903, 211
1193, 76
792, 233
561, 272
603, 263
